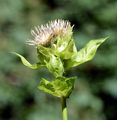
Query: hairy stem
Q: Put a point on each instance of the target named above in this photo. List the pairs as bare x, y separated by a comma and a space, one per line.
64, 108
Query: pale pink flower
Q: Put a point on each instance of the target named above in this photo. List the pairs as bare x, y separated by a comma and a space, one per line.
44, 34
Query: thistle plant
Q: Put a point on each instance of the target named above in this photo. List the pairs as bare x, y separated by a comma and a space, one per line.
57, 52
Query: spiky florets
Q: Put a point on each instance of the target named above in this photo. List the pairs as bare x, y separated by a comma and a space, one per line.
44, 34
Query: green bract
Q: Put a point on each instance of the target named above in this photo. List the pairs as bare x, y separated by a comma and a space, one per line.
60, 87
85, 54
59, 57
28, 64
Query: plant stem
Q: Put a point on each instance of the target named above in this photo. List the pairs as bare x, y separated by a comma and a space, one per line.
64, 108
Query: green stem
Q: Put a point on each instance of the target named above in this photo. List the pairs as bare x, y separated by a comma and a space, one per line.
64, 108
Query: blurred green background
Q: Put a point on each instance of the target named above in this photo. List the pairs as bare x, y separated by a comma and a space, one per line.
95, 93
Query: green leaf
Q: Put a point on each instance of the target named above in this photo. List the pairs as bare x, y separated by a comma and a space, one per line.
85, 54
26, 63
46, 86
61, 44
55, 66
60, 87
64, 47
44, 50
69, 50
50, 60
43, 53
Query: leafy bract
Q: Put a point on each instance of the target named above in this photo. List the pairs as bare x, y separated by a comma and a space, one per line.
43, 54
50, 60
69, 50
55, 66
85, 54
26, 63
64, 48
60, 87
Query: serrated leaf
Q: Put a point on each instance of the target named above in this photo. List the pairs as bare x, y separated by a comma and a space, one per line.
26, 63
85, 54
61, 87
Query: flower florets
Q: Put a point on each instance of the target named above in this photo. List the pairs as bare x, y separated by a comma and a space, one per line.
44, 34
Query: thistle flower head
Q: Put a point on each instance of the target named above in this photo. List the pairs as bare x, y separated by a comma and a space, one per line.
44, 34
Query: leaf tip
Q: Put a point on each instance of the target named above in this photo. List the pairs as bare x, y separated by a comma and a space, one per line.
104, 39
